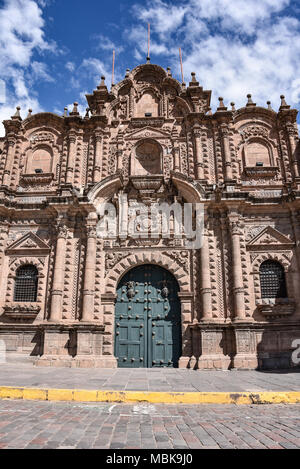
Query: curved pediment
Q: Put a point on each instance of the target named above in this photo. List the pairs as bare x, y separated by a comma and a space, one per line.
189, 191
105, 190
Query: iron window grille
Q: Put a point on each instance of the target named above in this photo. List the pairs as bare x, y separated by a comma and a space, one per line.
26, 284
272, 280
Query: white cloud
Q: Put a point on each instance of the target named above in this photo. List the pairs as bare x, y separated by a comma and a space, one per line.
21, 35
105, 43
94, 67
243, 14
70, 66
139, 35
235, 47
21, 31
40, 71
163, 16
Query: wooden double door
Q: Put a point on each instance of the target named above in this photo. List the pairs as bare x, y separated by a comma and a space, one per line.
148, 319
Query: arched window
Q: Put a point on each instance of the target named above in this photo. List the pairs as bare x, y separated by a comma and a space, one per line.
272, 280
26, 284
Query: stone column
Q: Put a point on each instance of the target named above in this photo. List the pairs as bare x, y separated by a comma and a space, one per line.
205, 279
9, 161
98, 157
58, 274
238, 286
176, 159
186, 300
292, 143
119, 154
199, 162
4, 230
89, 275
71, 157
226, 148
295, 222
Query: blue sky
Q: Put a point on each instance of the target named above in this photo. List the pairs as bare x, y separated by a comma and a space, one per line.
52, 52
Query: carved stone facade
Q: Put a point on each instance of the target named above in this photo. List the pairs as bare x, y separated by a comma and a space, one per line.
152, 140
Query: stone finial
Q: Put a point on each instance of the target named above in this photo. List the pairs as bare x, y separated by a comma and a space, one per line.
29, 113
194, 81
283, 104
65, 112
169, 74
148, 60
102, 83
233, 106
183, 86
127, 72
75, 110
17, 114
209, 111
221, 107
250, 102
269, 106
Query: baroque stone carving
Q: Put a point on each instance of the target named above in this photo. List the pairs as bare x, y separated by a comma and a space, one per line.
23, 312
112, 258
42, 137
182, 257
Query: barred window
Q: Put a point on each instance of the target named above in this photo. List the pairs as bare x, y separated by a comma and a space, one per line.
272, 280
26, 284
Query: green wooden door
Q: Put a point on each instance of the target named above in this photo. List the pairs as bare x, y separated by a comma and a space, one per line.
148, 319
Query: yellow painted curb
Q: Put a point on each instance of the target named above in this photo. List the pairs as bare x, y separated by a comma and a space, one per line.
74, 395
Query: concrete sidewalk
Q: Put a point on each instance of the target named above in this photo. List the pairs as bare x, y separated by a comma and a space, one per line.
143, 384
162, 380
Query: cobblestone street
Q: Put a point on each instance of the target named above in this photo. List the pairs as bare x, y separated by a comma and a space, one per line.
45, 425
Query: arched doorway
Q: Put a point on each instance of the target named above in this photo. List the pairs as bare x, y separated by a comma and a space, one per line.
148, 319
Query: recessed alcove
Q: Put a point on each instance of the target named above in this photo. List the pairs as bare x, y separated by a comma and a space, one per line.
147, 158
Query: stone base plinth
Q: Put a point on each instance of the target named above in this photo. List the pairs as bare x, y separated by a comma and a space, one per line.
81, 361
213, 362
183, 362
77, 362
58, 361
245, 362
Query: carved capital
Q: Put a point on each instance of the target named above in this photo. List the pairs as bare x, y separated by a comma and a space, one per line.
236, 227
62, 231
224, 130
91, 231
72, 137
11, 141
98, 137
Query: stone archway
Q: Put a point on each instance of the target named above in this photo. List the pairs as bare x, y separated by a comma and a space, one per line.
115, 274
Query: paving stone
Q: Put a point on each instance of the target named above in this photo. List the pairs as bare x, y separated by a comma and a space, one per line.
61, 425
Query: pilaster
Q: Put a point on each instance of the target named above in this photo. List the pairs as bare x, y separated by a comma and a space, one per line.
90, 267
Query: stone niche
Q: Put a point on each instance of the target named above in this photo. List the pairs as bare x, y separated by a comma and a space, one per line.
148, 157
147, 105
257, 153
40, 160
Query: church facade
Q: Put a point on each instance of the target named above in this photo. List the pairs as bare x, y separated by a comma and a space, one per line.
70, 297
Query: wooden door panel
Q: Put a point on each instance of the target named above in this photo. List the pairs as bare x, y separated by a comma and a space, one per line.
148, 323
